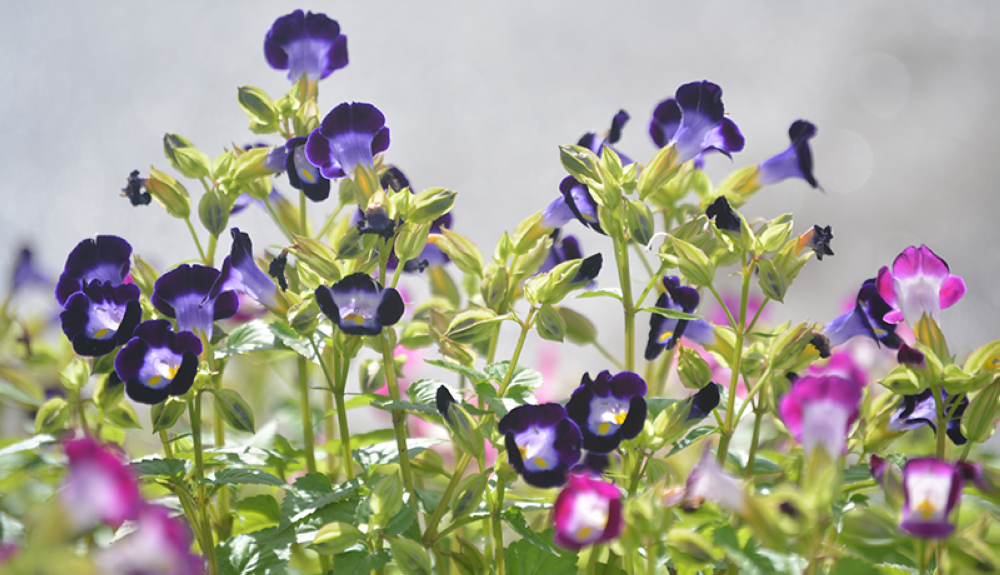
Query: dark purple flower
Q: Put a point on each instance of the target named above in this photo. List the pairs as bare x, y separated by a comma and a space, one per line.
100, 318
309, 44
443, 399
867, 319
819, 410
932, 489
795, 162
818, 239
608, 409
921, 409
350, 135
909, 356
695, 123
587, 511
186, 293
542, 443
105, 259
393, 178
724, 215
25, 273
134, 191
240, 273
665, 332
563, 250
703, 402
375, 220
595, 144
302, 175
276, 269
157, 362
358, 304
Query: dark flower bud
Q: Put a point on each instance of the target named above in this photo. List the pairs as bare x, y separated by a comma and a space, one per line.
134, 190
444, 400
394, 179
822, 344
724, 215
276, 269
818, 239
909, 356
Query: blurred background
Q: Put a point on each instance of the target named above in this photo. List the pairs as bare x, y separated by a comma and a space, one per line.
479, 95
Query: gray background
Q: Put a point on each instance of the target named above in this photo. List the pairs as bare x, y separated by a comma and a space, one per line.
479, 95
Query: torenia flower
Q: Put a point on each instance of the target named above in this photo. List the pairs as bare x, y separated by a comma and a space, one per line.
358, 304
695, 123
665, 332
160, 545
542, 442
931, 489
100, 317
25, 273
104, 259
709, 482
795, 162
726, 218
867, 319
302, 175
587, 511
819, 410
351, 134
921, 409
157, 362
240, 272
919, 284
99, 488
186, 293
608, 409
840, 364
305, 44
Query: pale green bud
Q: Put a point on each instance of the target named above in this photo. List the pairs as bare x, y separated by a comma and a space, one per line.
258, 105
550, 324
169, 193
429, 205
472, 325
213, 211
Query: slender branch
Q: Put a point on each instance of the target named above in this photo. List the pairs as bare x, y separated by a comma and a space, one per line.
736, 366
208, 541
307, 423
194, 235
498, 556
302, 213
431, 532
525, 328
388, 337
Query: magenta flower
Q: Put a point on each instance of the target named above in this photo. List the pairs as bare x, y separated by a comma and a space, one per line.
309, 44
841, 364
695, 123
160, 545
818, 411
587, 511
350, 135
100, 487
919, 284
931, 488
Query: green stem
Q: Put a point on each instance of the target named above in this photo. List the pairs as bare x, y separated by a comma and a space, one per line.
210, 255
659, 381
431, 532
330, 220
640, 466
194, 234
208, 542
595, 555
337, 389
498, 556
302, 213
277, 220
757, 417
736, 365
756, 316
942, 421
398, 415
328, 427
78, 402
307, 423
625, 280
525, 328
167, 451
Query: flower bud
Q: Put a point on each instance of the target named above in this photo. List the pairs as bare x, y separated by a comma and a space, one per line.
304, 317
533, 259
657, 172
469, 495
75, 375
527, 233
193, 163
165, 414
317, 256
387, 496
416, 334
579, 329
693, 370
580, 162
461, 250
213, 211
253, 164
550, 324
411, 557
258, 105
493, 288
353, 244
335, 538
52, 416
472, 325
693, 263
740, 185
429, 205
411, 240
169, 193
235, 410
171, 143
640, 222
772, 280
980, 419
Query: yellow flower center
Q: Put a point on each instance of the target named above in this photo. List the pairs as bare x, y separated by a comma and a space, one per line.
666, 335
926, 509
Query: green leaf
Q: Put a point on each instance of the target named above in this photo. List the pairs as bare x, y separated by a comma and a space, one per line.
523, 376
524, 558
361, 561
360, 439
165, 414
468, 372
234, 409
166, 467
671, 313
411, 557
515, 519
603, 292
297, 343
855, 566
28, 444
254, 335
382, 453
657, 404
233, 476
244, 555
405, 405
747, 558
857, 473
263, 505
692, 436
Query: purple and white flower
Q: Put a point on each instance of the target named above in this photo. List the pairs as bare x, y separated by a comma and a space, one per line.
99, 488
868, 318
795, 162
931, 490
587, 511
358, 304
918, 410
349, 136
665, 332
99, 318
157, 362
608, 409
819, 410
709, 482
919, 284
305, 44
302, 175
240, 273
186, 293
694, 122
104, 258
160, 545
542, 442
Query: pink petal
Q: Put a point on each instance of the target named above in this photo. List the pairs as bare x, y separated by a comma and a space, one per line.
886, 287
919, 261
894, 316
952, 290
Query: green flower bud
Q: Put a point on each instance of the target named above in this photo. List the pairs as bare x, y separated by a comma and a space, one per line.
106, 394
213, 211
774, 235
581, 163
258, 105
122, 415
533, 259
640, 222
493, 288
75, 375
980, 418
304, 317
172, 142
472, 325
371, 376
579, 329
740, 185
387, 496
773, 281
410, 557
550, 324
469, 495
164, 415
660, 169
461, 250
353, 244
52, 416
788, 345
317, 256
527, 233
693, 263
235, 410
251, 165
335, 538
144, 275
411, 238
691, 549
693, 370
416, 334
169, 193
504, 248
429, 205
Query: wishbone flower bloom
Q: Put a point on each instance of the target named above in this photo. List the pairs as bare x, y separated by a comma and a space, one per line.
919, 410
186, 293
819, 410
665, 332
358, 304
695, 123
867, 319
104, 258
160, 545
100, 317
351, 134
157, 362
708, 481
100, 488
542, 442
931, 488
240, 273
608, 409
302, 175
587, 511
795, 162
309, 44
919, 284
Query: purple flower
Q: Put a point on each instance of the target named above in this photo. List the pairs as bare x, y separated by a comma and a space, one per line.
240, 273
563, 250
100, 487
921, 409
931, 489
608, 409
703, 402
25, 273
665, 332
818, 240
726, 218
134, 191
795, 162
919, 284
708, 481
695, 123
157, 362
160, 545
104, 259
301, 174
350, 135
186, 293
542, 443
819, 410
309, 44
841, 364
867, 319
587, 511
592, 142
358, 304
100, 317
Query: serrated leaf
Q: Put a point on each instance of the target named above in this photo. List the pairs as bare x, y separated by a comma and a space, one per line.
297, 343
473, 374
361, 561
245, 555
603, 292
387, 452
406, 405
692, 436
514, 517
254, 335
165, 467
233, 476
263, 505
524, 558
523, 375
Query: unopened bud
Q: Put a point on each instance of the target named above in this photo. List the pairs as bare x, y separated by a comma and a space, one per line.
169, 193
429, 205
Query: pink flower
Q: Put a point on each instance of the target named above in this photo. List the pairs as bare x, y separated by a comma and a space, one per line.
587, 511
160, 545
818, 411
919, 284
100, 487
841, 364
